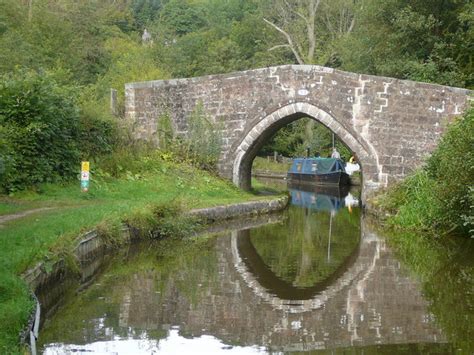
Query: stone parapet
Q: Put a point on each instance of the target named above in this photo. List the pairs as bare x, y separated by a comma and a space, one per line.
392, 125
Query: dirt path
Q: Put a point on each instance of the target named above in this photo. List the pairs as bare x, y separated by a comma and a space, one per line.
10, 217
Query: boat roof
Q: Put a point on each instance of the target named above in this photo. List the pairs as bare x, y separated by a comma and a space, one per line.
316, 165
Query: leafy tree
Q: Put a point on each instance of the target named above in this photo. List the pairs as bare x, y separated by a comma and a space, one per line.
40, 127
145, 12
130, 61
420, 40
294, 139
61, 34
180, 17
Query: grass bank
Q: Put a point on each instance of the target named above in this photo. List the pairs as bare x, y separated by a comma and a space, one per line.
438, 199
263, 164
129, 194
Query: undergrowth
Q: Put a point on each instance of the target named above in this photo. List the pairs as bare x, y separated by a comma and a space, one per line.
438, 199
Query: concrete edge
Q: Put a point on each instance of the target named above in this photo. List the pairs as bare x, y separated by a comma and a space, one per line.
90, 242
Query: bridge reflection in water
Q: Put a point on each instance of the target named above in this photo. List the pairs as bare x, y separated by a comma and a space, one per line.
316, 279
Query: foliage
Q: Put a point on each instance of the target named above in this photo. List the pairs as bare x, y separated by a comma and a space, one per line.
294, 139
60, 34
419, 40
165, 132
162, 220
125, 55
308, 29
98, 131
414, 203
452, 167
439, 198
40, 126
204, 139
265, 164
148, 184
145, 12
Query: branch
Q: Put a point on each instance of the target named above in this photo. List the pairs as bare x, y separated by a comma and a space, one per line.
280, 46
351, 27
289, 40
296, 12
310, 25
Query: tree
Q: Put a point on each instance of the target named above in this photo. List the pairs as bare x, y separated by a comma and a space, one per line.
427, 41
311, 25
293, 16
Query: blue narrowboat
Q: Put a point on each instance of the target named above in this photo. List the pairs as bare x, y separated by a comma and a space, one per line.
323, 171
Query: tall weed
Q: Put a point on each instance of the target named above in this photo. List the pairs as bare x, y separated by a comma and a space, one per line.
413, 203
452, 167
439, 198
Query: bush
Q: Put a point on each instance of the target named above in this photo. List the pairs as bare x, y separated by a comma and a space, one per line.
40, 126
440, 197
452, 167
99, 131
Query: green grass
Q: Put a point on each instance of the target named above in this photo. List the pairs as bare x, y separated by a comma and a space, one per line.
9, 206
260, 163
46, 234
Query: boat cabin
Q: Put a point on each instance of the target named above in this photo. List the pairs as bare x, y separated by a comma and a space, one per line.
318, 170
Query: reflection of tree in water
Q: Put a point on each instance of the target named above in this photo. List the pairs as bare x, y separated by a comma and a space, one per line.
298, 252
151, 274
199, 288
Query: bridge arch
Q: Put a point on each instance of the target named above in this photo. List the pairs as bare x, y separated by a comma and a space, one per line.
269, 125
391, 124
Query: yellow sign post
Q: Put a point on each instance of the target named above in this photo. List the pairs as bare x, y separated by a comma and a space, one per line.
85, 166
85, 176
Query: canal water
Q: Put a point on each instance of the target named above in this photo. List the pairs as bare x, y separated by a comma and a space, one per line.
317, 278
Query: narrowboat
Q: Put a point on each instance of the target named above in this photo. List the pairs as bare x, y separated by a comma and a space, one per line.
320, 171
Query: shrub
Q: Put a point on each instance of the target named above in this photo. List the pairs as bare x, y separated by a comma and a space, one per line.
439, 197
40, 126
99, 131
452, 167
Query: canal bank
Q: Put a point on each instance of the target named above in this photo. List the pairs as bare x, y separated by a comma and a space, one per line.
62, 212
321, 278
93, 245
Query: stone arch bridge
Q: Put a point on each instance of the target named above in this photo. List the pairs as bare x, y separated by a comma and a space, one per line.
390, 124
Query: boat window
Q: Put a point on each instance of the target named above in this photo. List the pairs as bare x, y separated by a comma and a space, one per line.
314, 166
298, 167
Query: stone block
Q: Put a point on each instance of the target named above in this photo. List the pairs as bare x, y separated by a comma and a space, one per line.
394, 121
